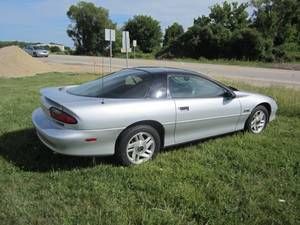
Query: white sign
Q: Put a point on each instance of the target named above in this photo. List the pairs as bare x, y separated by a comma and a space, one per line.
134, 43
125, 42
110, 35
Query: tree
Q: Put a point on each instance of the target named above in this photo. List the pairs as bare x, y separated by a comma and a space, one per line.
146, 31
87, 27
231, 16
247, 44
278, 20
172, 33
210, 36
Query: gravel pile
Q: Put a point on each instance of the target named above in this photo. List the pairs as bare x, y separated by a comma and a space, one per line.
15, 62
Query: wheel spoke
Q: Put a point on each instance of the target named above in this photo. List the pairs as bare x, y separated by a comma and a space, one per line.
140, 137
133, 156
148, 145
131, 145
144, 155
148, 139
137, 157
148, 151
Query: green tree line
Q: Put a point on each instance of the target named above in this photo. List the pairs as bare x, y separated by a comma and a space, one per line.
270, 33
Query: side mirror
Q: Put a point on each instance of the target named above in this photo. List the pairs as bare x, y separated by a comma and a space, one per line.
229, 94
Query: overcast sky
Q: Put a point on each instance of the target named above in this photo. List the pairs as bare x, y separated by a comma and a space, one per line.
46, 20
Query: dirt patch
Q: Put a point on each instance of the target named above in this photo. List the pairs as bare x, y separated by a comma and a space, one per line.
14, 62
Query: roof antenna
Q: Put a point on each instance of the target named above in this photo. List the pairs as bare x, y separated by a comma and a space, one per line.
102, 99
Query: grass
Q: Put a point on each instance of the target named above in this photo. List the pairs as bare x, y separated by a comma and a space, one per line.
235, 179
295, 65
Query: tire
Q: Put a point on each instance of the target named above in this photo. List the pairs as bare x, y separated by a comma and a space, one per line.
257, 120
137, 145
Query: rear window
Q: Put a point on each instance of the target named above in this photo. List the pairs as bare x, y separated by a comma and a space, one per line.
122, 84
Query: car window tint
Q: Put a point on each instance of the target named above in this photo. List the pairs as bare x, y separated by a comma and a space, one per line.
191, 86
122, 84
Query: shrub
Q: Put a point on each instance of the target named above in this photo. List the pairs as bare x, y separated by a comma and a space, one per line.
54, 49
247, 44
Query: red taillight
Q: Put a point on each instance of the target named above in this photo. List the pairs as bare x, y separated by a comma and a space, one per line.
62, 116
91, 139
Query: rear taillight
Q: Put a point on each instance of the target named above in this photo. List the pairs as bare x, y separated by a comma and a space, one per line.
62, 116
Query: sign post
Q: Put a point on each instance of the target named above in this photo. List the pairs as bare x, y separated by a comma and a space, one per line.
134, 44
126, 45
110, 35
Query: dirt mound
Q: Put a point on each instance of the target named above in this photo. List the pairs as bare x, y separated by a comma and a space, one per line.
14, 62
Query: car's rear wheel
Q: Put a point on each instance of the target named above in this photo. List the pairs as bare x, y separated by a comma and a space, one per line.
258, 120
137, 145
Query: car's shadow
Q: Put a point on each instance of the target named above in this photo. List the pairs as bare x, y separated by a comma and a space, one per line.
24, 150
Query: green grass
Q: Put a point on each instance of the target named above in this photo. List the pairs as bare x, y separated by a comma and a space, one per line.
235, 179
295, 65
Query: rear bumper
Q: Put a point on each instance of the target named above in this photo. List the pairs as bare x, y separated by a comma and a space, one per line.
73, 142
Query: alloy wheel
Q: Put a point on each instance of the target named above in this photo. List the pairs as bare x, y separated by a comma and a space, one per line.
140, 148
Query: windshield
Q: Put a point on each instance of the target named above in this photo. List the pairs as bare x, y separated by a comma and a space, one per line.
123, 84
39, 48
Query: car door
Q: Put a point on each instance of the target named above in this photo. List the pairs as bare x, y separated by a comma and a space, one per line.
203, 107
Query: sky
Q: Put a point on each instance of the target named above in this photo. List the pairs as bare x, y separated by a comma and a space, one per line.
46, 20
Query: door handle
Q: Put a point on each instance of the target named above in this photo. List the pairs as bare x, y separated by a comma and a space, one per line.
184, 108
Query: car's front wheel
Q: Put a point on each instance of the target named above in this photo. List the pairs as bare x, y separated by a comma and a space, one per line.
257, 120
137, 145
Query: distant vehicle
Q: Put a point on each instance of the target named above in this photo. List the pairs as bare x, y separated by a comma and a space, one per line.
135, 112
36, 51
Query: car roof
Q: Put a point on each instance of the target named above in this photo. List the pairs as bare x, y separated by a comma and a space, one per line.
152, 69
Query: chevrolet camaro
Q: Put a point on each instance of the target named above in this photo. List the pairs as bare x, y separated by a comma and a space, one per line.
133, 113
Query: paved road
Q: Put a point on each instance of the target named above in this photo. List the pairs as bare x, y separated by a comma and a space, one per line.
258, 76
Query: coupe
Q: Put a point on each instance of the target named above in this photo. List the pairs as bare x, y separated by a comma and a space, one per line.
133, 113
36, 51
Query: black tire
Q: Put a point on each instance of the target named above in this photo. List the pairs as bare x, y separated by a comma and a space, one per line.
121, 147
34, 54
249, 120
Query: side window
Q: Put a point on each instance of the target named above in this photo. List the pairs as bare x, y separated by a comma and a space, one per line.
191, 86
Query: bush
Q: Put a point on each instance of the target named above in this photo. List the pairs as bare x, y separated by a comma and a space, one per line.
247, 44
54, 49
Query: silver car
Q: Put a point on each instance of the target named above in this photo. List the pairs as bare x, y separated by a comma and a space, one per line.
134, 113
36, 51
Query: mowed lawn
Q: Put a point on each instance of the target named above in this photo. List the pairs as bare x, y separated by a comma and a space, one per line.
235, 179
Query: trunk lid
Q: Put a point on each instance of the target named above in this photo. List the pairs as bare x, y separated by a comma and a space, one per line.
59, 98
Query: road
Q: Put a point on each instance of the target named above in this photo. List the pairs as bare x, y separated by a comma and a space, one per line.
259, 76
